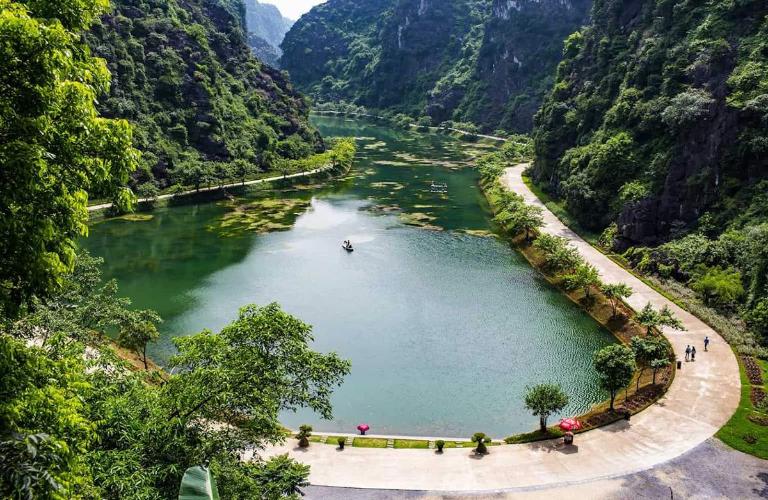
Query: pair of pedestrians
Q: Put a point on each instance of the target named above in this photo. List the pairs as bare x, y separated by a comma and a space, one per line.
690, 353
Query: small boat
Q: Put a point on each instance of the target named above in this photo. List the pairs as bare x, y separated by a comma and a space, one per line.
347, 246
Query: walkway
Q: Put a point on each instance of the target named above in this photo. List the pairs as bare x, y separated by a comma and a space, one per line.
701, 399
104, 206
711, 470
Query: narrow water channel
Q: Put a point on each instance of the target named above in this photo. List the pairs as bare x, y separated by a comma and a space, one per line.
444, 323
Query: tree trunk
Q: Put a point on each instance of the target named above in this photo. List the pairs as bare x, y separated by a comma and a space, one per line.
613, 398
543, 423
144, 356
638, 379
614, 304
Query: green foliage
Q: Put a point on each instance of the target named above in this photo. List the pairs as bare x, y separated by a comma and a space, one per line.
719, 286
440, 444
454, 60
615, 366
559, 255
659, 114
305, 431
102, 431
650, 318
198, 483
651, 352
54, 148
481, 440
757, 318
517, 216
584, 277
616, 292
194, 92
543, 400
137, 329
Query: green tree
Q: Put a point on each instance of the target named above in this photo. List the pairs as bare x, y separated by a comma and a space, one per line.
44, 424
242, 169
649, 318
528, 218
137, 329
584, 277
650, 352
222, 172
616, 292
615, 366
258, 366
54, 148
543, 400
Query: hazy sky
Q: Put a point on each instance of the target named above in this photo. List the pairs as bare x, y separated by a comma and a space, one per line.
293, 9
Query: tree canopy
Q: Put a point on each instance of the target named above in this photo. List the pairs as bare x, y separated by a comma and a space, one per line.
54, 148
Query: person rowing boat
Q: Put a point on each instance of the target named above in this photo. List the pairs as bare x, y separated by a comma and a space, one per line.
347, 245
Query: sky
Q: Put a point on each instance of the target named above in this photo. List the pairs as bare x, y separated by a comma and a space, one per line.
293, 9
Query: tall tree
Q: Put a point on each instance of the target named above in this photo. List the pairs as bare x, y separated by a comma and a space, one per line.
545, 399
615, 292
650, 352
615, 366
54, 148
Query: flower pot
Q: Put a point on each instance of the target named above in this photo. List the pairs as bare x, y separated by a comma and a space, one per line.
568, 438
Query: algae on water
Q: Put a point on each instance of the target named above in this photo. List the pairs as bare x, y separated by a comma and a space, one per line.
260, 216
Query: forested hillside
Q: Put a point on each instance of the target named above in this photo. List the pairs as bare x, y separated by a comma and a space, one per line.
658, 122
184, 76
266, 29
485, 61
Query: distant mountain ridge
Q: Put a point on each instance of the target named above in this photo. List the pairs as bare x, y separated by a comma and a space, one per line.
266, 29
486, 61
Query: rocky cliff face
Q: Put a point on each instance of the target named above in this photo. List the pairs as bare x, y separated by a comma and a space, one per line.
658, 116
486, 61
183, 74
266, 30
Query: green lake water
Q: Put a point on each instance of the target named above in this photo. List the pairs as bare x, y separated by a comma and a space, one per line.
445, 325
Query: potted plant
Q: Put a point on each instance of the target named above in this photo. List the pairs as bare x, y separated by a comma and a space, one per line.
305, 431
342, 441
481, 440
440, 444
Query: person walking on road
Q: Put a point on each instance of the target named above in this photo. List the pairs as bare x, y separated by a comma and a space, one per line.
687, 353
693, 353
706, 344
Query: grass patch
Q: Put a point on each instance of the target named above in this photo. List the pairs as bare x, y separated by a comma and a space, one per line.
361, 442
537, 435
740, 432
411, 444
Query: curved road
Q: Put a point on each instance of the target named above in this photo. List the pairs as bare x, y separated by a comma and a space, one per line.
703, 396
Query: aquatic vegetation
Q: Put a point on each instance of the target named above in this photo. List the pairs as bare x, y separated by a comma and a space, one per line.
261, 216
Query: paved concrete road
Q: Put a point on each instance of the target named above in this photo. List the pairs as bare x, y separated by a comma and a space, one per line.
711, 470
703, 396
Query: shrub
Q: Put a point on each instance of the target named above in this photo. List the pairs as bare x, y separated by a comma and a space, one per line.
687, 108
718, 286
440, 445
481, 440
305, 431
342, 441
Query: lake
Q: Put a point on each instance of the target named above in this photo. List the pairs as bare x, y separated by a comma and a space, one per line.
444, 322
